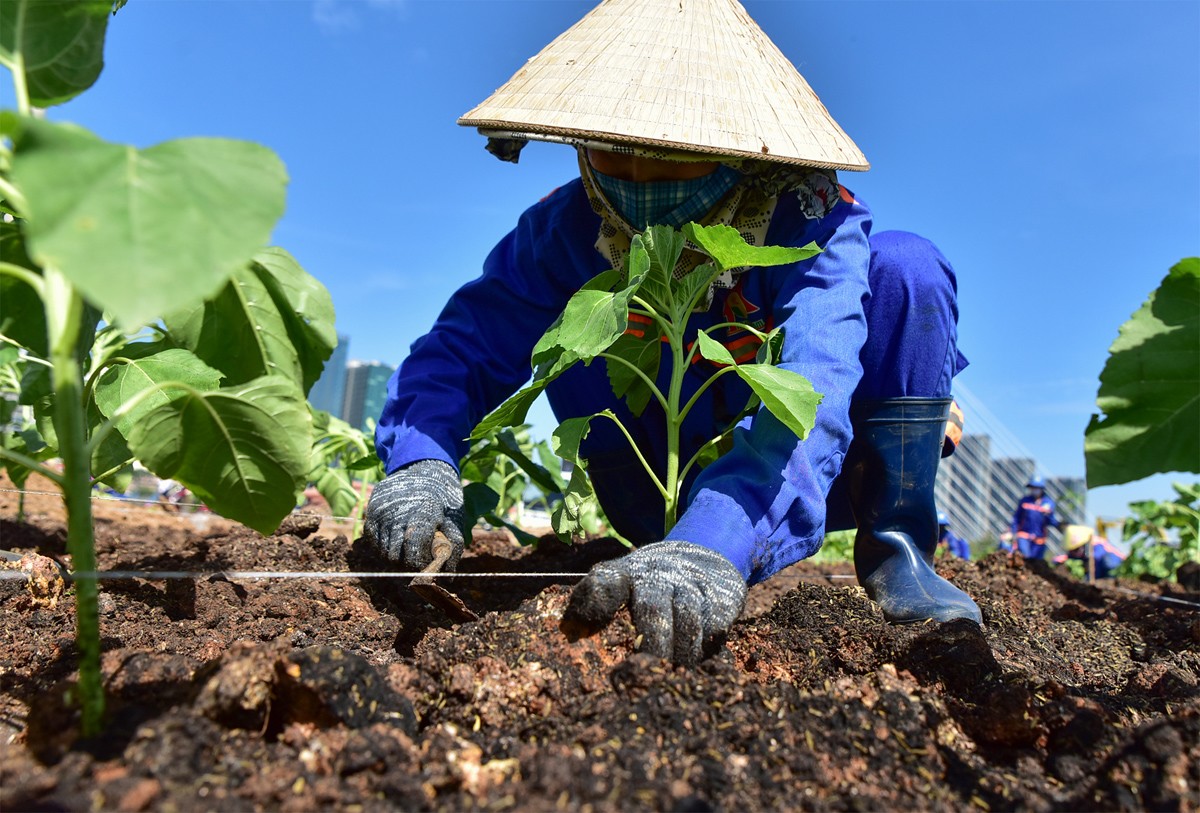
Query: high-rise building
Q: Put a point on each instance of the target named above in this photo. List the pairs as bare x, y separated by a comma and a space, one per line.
1070, 499
329, 393
366, 391
964, 484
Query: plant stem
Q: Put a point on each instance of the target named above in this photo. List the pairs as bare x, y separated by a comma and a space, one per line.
638, 452
18, 60
99, 478
633, 367
64, 308
708, 382
24, 274
674, 423
10, 193
32, 465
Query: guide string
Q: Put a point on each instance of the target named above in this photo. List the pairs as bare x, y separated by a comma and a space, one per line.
260, 575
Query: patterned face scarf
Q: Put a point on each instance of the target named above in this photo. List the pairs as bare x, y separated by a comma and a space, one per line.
746, 205
669, 203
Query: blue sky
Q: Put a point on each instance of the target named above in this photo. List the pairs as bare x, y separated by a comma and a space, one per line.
1051, 149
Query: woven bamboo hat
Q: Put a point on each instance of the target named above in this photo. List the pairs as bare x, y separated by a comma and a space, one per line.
697, 76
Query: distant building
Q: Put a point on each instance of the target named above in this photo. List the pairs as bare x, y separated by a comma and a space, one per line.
366, 391
1070, 498
964, 483
329, 393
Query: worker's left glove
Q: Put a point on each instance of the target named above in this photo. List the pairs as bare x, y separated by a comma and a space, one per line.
683, 598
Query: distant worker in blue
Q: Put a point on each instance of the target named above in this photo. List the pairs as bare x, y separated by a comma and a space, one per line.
1078, 540
871, 322
1033, 515
950, 542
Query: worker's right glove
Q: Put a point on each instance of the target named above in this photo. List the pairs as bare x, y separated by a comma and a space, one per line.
409, 505
683, 598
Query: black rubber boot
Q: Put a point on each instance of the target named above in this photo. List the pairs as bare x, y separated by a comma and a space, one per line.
893, 462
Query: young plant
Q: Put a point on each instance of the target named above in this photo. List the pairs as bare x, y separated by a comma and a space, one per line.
149, 322
343, 466
1163, 535
503, 477
593, 325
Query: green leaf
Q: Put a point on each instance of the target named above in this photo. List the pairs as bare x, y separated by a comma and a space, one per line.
579, 500
713, 350
513, 411
335, 442
1150, 388
536, 474
23, 439
645, 354
661, 246
771, 350
112, 451
61, 41
586, 328
552, 465
243, 450
730, 250
334, 485
591, 322
35, 384
305, 307
243, 315
22, 318
694, 282
171, 222
579, 504
147, 366
788, 395
478, 499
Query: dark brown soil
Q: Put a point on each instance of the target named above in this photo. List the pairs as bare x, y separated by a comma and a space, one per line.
355, 695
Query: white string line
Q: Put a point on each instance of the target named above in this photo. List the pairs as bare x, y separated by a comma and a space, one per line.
253, 575
110, 575
114, 575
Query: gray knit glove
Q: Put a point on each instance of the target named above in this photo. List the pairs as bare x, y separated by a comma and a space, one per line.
409, 505
683, 598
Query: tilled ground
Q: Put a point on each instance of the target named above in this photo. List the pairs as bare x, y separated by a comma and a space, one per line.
355, 694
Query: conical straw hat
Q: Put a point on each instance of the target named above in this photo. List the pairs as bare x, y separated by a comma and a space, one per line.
690, 75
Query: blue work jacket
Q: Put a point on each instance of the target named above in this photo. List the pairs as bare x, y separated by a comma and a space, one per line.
1032, 517
762, 504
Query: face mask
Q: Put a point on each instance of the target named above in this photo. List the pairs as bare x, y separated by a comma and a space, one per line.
669, 203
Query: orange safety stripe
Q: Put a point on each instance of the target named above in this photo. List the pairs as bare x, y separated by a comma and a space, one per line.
641, 320
954, 424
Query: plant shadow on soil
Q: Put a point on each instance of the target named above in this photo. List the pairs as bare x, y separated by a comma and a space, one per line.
307, 694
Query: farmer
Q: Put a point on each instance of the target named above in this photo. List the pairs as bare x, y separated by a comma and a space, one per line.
1033, 515
1081, 541
950, 542
666, 133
